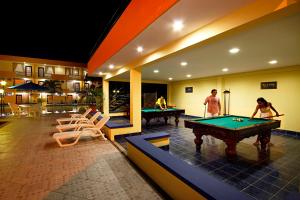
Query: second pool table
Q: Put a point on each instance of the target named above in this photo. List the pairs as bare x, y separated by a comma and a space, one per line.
150, 113
231, 131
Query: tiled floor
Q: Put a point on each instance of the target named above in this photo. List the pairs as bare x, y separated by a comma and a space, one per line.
274, 175
32, 166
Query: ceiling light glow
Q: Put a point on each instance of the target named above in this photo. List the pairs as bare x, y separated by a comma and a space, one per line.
155, 71
177, 25
234, 50
111, 66
183, 63
140, 49
273, 62
188, 75
170, 78
225, 69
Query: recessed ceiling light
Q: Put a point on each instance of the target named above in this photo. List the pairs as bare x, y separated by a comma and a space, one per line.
111, 66
170, 78
225, 69
155, 71
177, 25
183, 63
272, 62
188, 75
234, 50
100, 73
140, 49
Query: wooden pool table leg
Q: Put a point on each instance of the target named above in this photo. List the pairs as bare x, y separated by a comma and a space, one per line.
230, 150
176, 120
265, 139
147, 121
166, 120
198, 140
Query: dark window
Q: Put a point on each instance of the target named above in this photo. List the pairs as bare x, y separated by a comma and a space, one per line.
41, 72
28, 71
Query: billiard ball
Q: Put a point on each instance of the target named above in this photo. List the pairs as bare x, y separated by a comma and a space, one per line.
239, 119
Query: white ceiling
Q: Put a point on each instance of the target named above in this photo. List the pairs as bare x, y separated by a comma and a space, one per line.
193, 13
278, 40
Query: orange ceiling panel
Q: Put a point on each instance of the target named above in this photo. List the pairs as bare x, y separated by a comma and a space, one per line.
136, 17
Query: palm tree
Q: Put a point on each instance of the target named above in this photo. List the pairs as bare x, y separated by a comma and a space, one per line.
53, 86
96, 96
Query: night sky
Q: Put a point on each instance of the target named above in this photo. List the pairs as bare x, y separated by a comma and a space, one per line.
52, 30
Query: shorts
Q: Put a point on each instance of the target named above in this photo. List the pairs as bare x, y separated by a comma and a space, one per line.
212, 115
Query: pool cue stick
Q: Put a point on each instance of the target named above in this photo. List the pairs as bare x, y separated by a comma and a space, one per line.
273, 116
224, 103
204, 110
228, 101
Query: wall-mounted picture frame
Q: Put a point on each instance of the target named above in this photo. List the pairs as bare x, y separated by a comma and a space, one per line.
268, 85
28, 71
41, 72
188, 89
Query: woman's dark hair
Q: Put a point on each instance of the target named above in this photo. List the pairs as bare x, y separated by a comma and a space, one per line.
213, 90
261, 99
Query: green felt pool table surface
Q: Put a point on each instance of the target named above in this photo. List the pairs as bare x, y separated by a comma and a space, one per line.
230, 122
231, 131
151, 113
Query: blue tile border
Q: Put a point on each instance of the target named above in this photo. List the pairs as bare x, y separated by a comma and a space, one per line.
196, 178
113, 125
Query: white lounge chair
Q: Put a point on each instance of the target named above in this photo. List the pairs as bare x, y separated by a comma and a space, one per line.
15, 109
74, 119
92, 131
78, 124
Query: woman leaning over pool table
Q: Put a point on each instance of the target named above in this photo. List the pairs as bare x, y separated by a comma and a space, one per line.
265, 112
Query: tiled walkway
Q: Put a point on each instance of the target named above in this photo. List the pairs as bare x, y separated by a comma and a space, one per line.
32, 166
274, 175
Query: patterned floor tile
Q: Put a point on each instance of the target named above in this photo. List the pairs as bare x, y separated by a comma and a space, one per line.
258, 175
33, 166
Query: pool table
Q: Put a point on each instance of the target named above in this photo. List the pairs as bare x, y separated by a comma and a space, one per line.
231, 129
150, 113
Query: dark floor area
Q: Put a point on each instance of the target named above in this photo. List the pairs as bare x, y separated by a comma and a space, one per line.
271, 175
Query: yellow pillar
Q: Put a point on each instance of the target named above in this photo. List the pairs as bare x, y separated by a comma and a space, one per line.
135, 99
169, 90
105, 85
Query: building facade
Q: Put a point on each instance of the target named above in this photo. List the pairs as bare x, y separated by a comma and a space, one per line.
69, 80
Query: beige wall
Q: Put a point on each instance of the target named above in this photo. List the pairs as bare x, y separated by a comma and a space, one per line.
245, 89
5, 66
